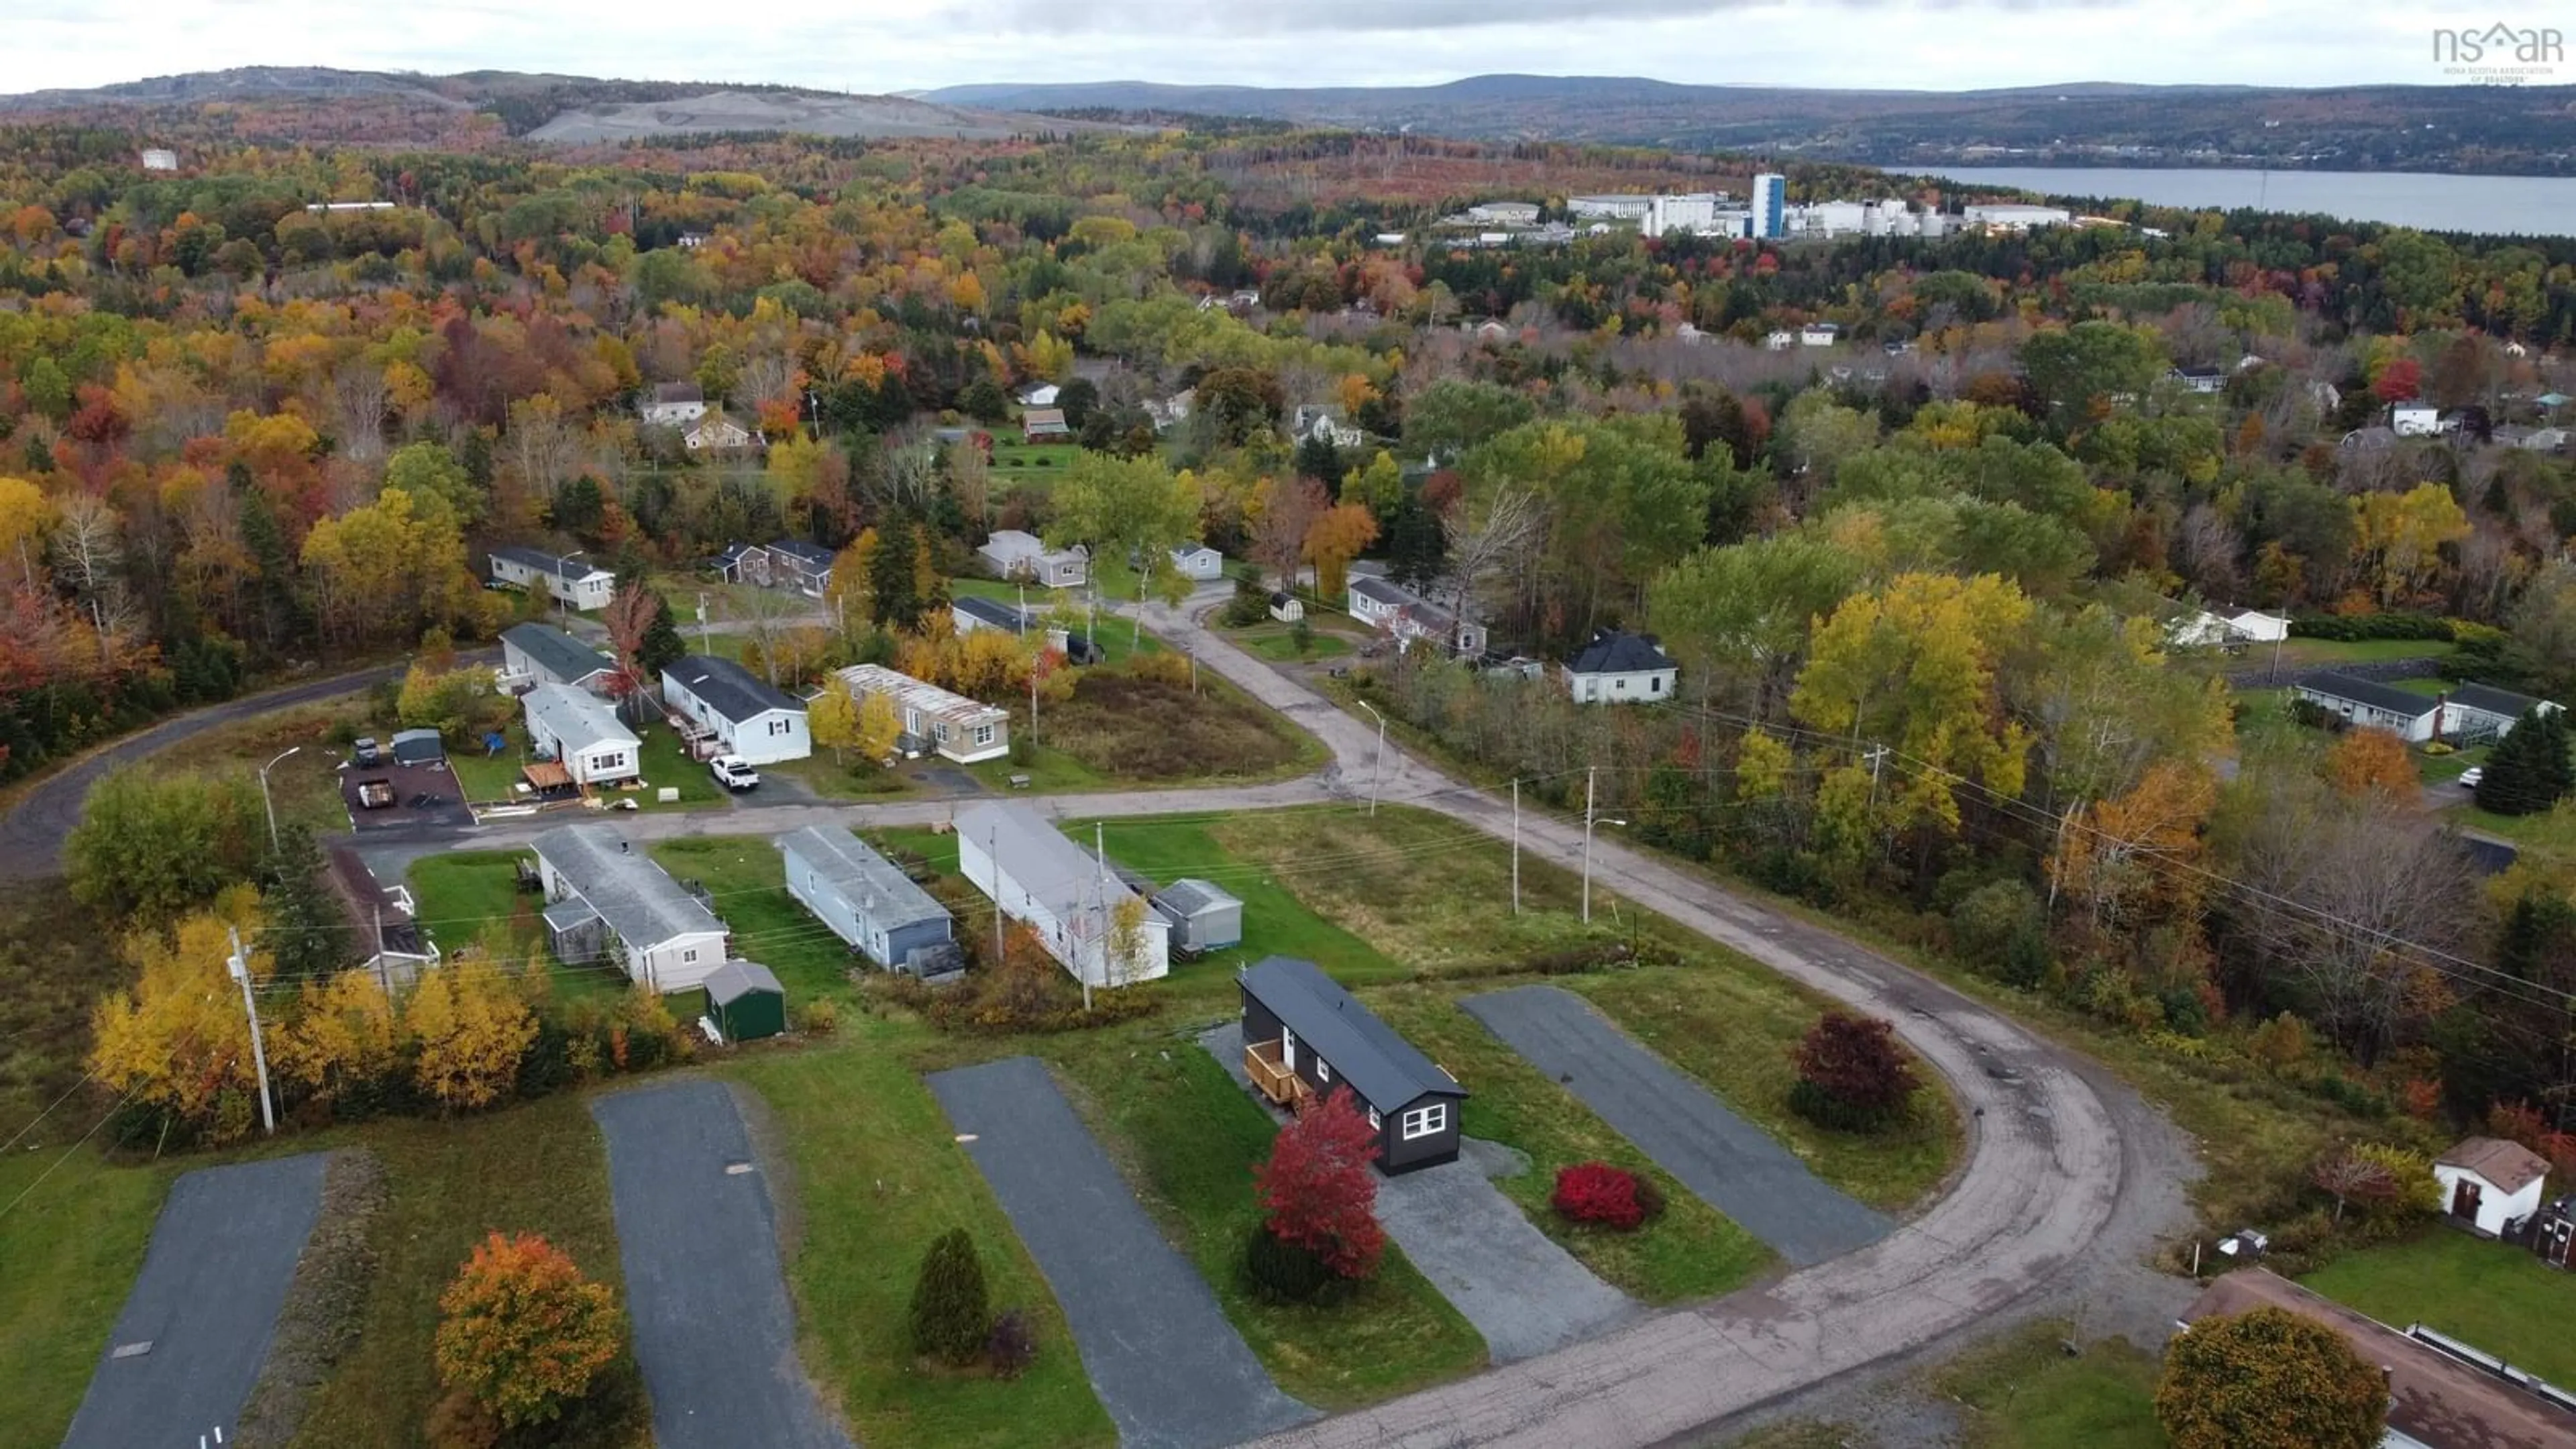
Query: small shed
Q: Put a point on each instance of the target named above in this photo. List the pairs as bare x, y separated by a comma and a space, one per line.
418, 747
1286, 607
2490, 1184
746, 1001
1204, 917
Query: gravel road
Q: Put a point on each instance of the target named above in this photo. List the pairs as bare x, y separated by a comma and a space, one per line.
187, 1349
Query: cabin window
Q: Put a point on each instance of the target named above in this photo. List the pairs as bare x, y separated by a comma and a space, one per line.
1323, 1070
1426, 1121
1374, 1124
688, 955
983, 734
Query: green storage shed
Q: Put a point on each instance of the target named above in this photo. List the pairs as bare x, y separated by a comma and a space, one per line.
746, 1001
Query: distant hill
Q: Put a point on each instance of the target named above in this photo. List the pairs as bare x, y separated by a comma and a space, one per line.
2455, 128
554, 107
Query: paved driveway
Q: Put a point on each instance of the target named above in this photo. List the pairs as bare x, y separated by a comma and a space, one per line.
713, 1330
1168, 1367
1525, 1294
1731, 1163
187, 1349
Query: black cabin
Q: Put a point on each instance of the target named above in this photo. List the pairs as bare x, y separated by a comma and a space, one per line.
1303, 1035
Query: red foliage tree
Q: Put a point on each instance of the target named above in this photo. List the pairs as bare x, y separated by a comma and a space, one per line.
1317, 1190
2400, 381
1596, 1192
1854, 1060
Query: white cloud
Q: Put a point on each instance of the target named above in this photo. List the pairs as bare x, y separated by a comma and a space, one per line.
927, 43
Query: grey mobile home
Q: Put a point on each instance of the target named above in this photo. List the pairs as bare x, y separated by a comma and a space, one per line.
865, 899
1304, 1036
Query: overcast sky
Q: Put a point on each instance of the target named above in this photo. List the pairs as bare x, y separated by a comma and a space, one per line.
889, 45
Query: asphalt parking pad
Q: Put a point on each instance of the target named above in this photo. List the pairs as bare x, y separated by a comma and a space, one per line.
1524, 1293
188, 1347
714, 1334
1731, 1164
1168, 1367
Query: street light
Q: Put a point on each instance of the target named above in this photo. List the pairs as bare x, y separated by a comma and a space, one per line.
561, 561
265, 803
1589, 818
1378, 760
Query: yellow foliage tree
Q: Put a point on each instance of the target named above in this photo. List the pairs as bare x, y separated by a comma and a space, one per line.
342, 1035
2132, 860
879, 727
2367, 760
2402, 535
473, 1029
177, 1039
833, 718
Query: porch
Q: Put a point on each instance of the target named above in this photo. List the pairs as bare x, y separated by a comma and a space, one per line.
1272, 1076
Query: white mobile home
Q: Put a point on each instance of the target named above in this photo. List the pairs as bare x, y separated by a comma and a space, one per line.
1013, 554
748, 716
575, 728
566, 578
606, 899
534, 653
1064, 894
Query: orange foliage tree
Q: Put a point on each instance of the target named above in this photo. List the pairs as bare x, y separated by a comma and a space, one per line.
522, 1332
2367, 760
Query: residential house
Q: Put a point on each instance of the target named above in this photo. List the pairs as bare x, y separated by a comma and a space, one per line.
1011, 554
1618, 667
1311, 422
1689, 335
2489, 1184
1198, 561
2442, 1394
390, 941
1204, 917
949, 725
1303, 1035
868, 901
801, 565
2200, 379
716, 433
1780, 341
1490, 330
1164, 412
744, 563
2204, 630
608, 900
1038, 395
159, 158
1406, 616
968, 613
534, 654
2411, 717
674, 404
2473, 712
2536, 440
747, 715
2372, 439
572, 727
569, 578
1039, 425
1286, 607
2261, 628
2416, 420
1066, 896
1819, 334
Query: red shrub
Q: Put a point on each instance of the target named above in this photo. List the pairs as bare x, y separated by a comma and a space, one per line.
1596, 1192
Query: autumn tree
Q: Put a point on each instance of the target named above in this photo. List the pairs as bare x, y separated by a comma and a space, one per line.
2367, 760
522, 1332
833, 718
176, 1040
2347, 1175
152, 843
2400, 536
878, 727
1316, 1188
342, 1038
2269, 1379
1851, 1072
1127, 507
1285, 510
1335, 538
630, 614
472, 1028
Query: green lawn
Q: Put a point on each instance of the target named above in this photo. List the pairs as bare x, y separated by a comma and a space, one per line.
878, 1175
1275, 922
1278, 643
1018, 462
744, 875
2442, 769
464, 894
1189, 1138
1050, 771
72, 1248
1117, 638
2551, 834
2322, 653
2022, 1391
855, 779
2499, 1298
540, 1168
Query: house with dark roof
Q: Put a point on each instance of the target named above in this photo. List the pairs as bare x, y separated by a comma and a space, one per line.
2199, 379
390, 942
866, 900
970, 612
607, 900
743, 563
534, 654
1304, 1036
1618, 667
2442, 1393
2473, 712
1407, 616
674, 404
747, 715
2367, 702
801, 565
568, 578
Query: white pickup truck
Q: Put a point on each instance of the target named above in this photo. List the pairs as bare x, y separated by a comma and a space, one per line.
733, 772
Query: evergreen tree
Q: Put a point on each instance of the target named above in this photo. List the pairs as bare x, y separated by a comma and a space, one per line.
951, 1312
303, 930
894, 600
2529, 770
662, 645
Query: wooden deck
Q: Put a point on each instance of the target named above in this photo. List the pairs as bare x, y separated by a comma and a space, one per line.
1278, 1082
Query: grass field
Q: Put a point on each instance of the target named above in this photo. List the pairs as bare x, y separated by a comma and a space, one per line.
72, 1246
2325, 653
2499, 1298
2022, 1391
743, 874
540, 1168
2550, 836
662, 761
465, 894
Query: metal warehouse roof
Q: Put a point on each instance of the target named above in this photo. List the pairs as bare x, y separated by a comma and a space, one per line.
1385, 1069
637, 898
875, 884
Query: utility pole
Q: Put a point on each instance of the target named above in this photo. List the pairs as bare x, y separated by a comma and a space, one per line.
239, 965
2057, 874
1516, 845
993, 862
268, 805
1876, 755
1589, 816
702, 621
1099, 907
1377, 762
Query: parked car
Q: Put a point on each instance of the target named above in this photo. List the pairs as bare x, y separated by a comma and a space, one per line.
375, 794
366, 754
2470, 777
733, 772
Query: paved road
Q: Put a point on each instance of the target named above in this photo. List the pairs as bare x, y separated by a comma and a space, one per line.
31, 834
1524, 1294
713, 1330
222, 1256
1734, 1166
1170, 1370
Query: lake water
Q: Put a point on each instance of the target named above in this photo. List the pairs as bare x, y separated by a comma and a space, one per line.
2524, 205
